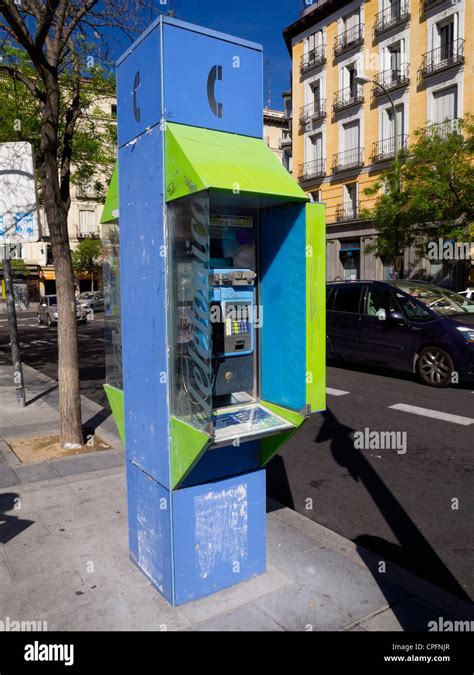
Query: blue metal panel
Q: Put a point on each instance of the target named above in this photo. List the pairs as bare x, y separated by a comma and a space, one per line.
144, 308
218, 535
149, 523
139, 87
224, 461
283, 292
212, 82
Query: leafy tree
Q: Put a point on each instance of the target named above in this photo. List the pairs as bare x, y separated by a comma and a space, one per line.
47, 51
428, 194
87, 257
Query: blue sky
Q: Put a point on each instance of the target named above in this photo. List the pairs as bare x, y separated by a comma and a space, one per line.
260, 21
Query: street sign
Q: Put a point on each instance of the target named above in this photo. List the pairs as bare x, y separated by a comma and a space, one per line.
19, 222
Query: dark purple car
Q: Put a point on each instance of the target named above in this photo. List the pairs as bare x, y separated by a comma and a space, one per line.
406, 325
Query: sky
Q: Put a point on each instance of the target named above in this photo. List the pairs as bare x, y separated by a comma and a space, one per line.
260, 21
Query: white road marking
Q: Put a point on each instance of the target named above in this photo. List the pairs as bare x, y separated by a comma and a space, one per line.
436, 414
336, 392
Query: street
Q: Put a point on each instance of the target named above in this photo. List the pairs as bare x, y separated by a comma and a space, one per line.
410, 507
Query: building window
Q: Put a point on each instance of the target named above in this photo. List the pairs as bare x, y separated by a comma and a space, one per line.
445, 104
314, 41
87, 223
316, 195
351, 135
286, 159
445, 38
350, 200
113, 110
49, 254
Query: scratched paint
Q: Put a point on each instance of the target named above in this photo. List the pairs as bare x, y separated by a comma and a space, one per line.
221, 529
149, 542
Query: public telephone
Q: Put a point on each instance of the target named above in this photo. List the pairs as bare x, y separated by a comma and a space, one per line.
233, 330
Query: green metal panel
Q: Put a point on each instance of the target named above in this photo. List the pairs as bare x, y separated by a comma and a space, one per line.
115, 397
316, 306
111, 206
197, 159
187, 446
271, 445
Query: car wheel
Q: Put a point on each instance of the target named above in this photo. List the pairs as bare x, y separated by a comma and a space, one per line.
435, 367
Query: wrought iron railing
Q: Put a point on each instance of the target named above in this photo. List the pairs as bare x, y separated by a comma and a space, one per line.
391, 78
347, 97
315, 57
446, 56
314, 169
391, 16
349, 159
443, 129
350, 38
313, 111
347, 211
385, 149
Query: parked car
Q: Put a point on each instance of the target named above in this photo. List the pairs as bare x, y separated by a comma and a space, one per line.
48, 311
92, 301
406, 325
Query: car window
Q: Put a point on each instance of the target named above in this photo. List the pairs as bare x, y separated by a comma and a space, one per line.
347, 299
413, 309
380, 298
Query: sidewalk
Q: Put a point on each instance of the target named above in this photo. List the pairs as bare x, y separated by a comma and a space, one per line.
64, 553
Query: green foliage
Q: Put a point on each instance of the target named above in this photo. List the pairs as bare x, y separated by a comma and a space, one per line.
87, 257
19, 267
429, 193
94, 141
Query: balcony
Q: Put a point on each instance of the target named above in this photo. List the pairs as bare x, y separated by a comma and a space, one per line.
443, 129
390, 17
428, 4
446, 56
349, 159
391, 79
346, 212
311, 170
285, 141
344, 98
350, 38
316, 57
385, 149
313, 111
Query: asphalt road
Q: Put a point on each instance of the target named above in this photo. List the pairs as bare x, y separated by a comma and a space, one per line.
395, 503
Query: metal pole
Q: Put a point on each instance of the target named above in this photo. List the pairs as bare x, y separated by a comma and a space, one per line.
13, 327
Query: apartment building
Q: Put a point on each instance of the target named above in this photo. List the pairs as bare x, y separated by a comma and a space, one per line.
83, 222
416, 55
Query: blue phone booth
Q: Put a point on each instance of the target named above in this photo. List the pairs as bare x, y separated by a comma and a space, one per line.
222, 306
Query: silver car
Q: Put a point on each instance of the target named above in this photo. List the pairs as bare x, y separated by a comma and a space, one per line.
48, 311
92, 301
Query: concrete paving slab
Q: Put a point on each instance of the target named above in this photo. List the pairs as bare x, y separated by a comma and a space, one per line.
411, 615
7, 476
89, 462
28, 473
20, 528
353, 590
5, 575
42, 595
246, 618
73, 516
68, 550
297, 608
210, 607
283, 539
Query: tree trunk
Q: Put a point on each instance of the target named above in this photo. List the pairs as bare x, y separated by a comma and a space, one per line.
56, 212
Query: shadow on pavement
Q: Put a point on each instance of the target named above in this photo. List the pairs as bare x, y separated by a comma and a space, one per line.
11, 526
411, 539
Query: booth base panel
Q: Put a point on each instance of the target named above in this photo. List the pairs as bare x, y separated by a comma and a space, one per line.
198, 540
